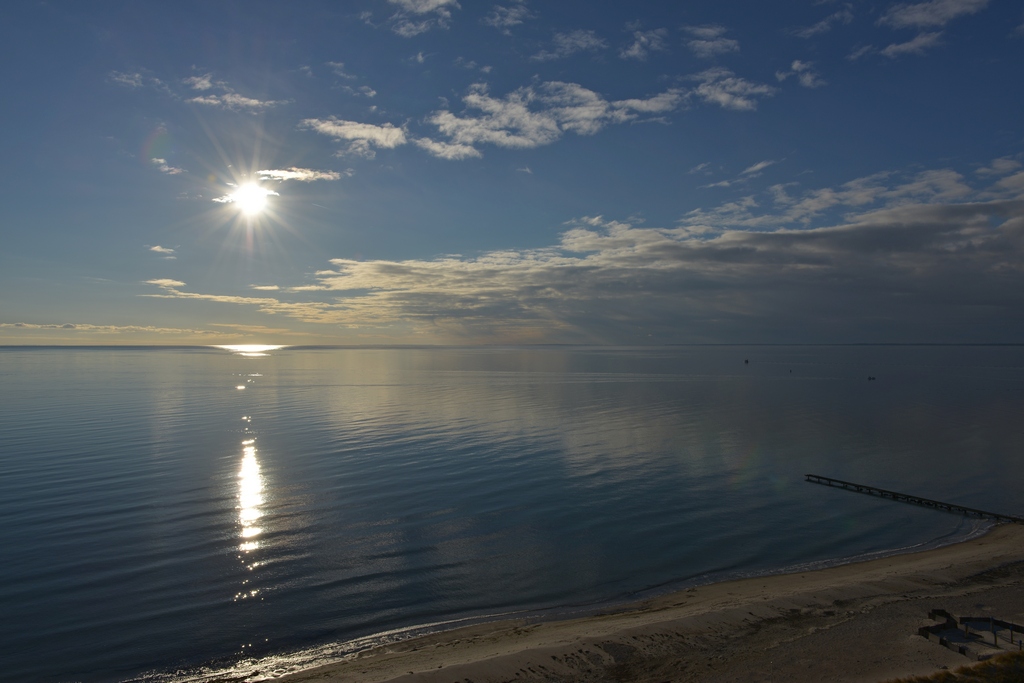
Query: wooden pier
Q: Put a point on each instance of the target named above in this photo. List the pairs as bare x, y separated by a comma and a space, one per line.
913, 500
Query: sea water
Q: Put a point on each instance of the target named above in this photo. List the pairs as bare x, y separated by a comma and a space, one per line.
170, 512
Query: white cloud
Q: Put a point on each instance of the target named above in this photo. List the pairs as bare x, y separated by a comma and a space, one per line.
265, 288
303, 175
339, 70
916, 46
724, 183
567, 44
447, 150
661, 103
707, 41
721, 86
166, 252
136, 80
1010, 186
306, 288
805, 74
941, 185
130, 80
166, 283
859, 52
203, 82
504, 18
315, 312
534, 116
931, 13
419, 16
747, 174
525, 169
232, 100
472, 65
758, 167
844, 16
644, 42
362, 138
507, 122
1000, 166
928, 187
227, 98
164, 167
361, 91
424, 6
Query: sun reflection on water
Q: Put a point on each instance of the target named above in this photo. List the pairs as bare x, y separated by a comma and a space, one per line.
250, 497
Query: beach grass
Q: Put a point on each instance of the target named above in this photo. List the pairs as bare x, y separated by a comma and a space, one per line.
1007, 668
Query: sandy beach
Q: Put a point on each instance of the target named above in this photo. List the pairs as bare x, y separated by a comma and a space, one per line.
855, 622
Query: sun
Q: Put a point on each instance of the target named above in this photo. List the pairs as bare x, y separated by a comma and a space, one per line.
248, 205
251, 199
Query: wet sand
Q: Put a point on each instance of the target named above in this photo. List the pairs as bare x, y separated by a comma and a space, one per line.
856, 622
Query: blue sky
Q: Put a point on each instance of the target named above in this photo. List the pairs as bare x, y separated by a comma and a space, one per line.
442, 172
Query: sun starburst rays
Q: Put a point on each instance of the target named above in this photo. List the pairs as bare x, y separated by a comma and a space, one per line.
253, 212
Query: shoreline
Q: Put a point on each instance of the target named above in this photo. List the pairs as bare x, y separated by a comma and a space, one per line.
848, 622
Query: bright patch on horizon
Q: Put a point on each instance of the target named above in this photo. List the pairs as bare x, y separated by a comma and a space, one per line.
250, 350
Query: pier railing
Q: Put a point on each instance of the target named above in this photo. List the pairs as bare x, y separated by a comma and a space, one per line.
913, 500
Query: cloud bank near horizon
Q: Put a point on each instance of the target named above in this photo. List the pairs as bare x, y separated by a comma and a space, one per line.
908, 258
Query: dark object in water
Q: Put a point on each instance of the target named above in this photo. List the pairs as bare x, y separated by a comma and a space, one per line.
746, 362
870, 378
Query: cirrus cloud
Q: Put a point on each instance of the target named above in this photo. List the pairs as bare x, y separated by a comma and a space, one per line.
303, 175
721, 86
164, 167
805, 74
361, 138
916, 46
232, 100
644, 42
504, 18
533, 116
567, 44
709, 41
419, 16
931, 13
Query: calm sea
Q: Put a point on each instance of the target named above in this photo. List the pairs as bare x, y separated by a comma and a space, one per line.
168, 512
